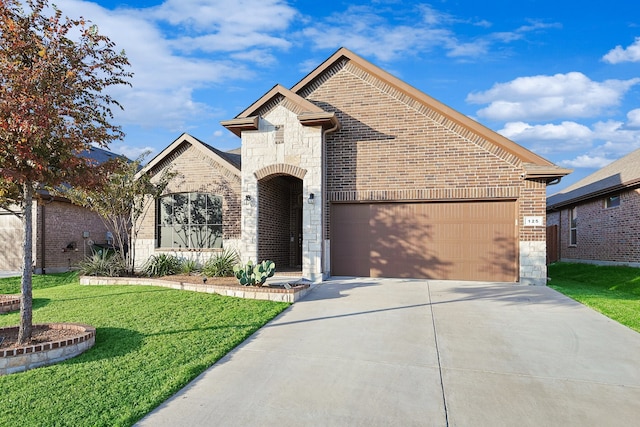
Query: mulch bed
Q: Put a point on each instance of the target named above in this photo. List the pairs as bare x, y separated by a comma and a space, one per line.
40, 334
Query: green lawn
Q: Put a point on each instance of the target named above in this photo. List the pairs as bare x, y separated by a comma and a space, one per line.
613, 291
149, 343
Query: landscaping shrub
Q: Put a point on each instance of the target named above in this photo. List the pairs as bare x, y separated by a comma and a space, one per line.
102, 263
188, 266
221, 264
162, 265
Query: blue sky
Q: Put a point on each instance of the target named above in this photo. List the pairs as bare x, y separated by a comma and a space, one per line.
561, 78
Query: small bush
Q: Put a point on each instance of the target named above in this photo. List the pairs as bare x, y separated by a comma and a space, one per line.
162, 265
221, 265
188, 266
102, 263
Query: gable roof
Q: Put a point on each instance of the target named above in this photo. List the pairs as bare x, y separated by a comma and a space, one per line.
229, 161
309, 114
534, 165
623, 173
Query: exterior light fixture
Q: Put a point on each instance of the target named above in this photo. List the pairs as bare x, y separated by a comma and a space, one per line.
311, 198
247, 199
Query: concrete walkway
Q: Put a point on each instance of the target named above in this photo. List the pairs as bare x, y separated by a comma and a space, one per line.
392, 352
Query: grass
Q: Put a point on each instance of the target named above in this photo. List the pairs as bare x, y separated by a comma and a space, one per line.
150, 342
613, 291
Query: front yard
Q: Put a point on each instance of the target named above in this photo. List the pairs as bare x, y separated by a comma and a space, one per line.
613, 291
150, 342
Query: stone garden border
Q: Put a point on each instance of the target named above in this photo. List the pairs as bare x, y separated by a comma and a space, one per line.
250, 292
35, 355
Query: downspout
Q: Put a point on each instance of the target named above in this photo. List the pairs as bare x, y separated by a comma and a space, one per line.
323, 210
42, 239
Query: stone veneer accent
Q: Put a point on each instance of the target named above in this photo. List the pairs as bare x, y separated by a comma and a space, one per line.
33, 356
533, 258
300, 155
249, 292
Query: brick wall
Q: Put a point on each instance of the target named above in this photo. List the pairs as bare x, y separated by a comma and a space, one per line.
393, 146
197, 172
64, 224
603, 234
274, 219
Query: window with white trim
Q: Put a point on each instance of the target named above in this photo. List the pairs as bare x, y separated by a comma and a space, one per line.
573, 227
189, 221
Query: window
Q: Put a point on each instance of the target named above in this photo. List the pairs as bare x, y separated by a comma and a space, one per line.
573, 227
190, 220
612, 201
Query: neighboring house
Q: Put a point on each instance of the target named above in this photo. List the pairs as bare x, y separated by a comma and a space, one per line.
352, 172
597, 219
62, 232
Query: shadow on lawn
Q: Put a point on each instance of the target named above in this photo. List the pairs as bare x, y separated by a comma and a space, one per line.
110, 342
134, 290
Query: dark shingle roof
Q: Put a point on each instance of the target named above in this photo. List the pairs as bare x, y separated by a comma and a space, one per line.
623, 173
99, 154
229, 156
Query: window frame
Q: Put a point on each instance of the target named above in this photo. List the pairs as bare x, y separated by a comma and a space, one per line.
197, 226
573, 227
608, 201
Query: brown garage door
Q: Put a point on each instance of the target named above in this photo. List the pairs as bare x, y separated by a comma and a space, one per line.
458, 240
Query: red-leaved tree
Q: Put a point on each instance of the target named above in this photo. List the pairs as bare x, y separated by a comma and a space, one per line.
54, 73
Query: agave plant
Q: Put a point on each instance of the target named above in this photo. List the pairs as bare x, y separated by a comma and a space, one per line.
221, 264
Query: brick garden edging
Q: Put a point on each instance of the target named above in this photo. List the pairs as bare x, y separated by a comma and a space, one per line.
35, 355
9, 303
250, 292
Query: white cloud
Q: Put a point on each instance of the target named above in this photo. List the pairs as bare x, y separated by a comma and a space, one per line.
543, 97
549, 138
131, 152
619, 54
634, 118
219, 16
586, 161
166, 75
417, 30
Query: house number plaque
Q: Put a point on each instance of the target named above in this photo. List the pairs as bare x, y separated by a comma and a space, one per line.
533, 221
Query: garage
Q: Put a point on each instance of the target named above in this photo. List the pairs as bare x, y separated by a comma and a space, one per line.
473, 240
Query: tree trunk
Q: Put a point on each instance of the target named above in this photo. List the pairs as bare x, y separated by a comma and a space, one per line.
26, 302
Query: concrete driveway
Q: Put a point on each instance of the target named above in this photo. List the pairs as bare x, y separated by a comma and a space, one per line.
393, 352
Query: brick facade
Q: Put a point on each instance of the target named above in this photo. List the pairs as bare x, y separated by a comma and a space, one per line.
58, 240
604, 235
392, 148
198, 170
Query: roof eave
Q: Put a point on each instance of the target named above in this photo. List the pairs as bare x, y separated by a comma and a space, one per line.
596, 194
239, 124
325, 119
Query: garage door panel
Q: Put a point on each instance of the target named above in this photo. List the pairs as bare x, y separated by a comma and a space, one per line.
464, 241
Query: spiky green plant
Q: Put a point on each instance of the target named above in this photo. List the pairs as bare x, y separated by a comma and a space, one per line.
102, 263
162, 265
221, 264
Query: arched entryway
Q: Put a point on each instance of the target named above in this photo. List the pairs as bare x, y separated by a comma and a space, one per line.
280, 220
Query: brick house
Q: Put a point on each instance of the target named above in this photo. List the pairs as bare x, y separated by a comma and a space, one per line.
62, 231
206, 191
354, 172
597, 219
